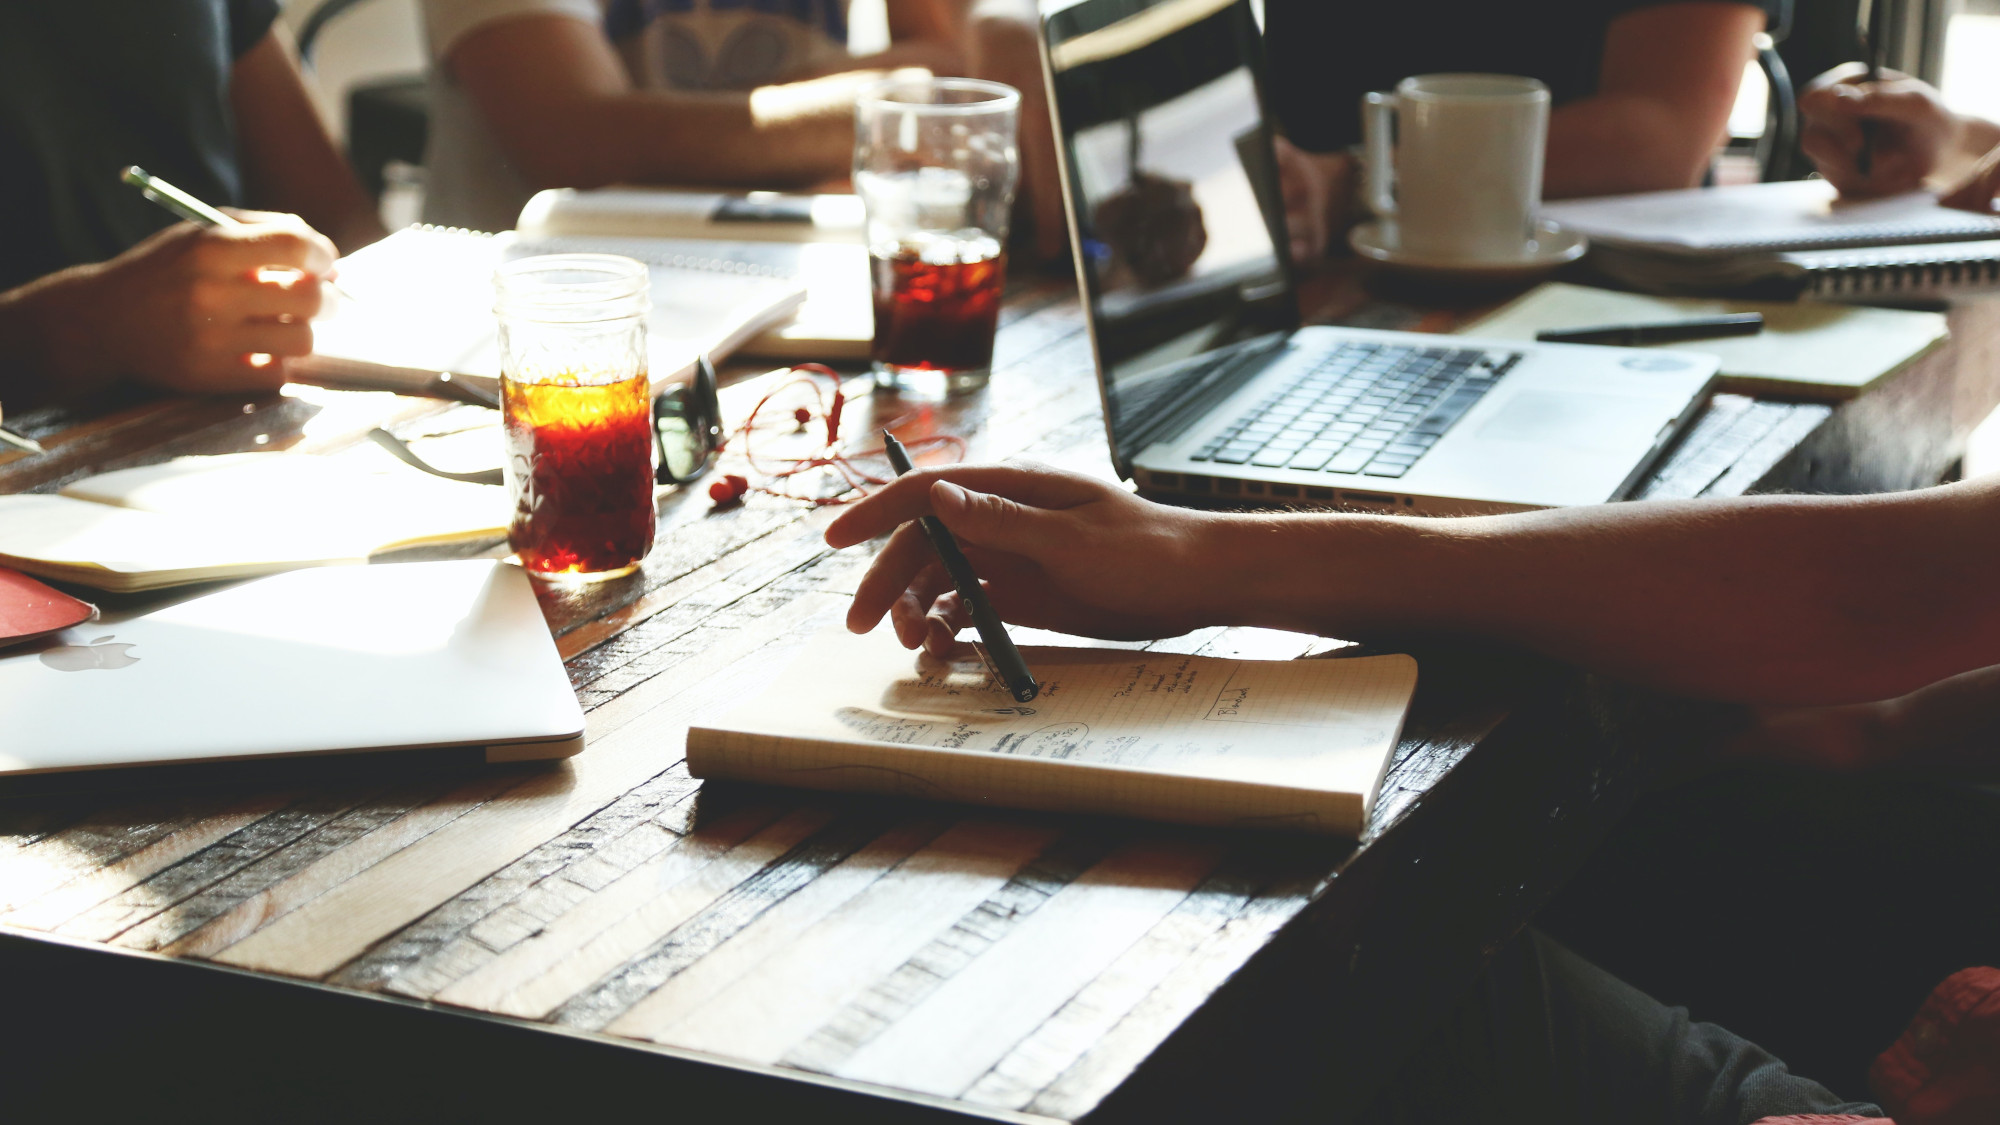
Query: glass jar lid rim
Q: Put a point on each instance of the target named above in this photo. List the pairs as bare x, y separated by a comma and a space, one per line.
577, 287
1000, 96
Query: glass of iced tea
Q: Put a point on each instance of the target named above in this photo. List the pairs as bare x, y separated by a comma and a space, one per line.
935, 164
577, 411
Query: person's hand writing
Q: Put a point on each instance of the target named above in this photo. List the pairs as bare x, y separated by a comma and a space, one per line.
1978, 191
1055, 550
191, 309
1914, 132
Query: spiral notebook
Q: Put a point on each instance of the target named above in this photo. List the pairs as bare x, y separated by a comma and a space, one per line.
1787, 240
1767, 218
421, 304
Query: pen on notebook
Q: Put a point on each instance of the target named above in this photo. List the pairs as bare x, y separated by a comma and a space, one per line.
187, 206
1007, 662
1663, 332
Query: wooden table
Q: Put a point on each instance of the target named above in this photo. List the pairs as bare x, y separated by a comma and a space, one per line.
431, 937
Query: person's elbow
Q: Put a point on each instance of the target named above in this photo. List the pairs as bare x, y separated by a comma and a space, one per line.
559, 146
1641, 144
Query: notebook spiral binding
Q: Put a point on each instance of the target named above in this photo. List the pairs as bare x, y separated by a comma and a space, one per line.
672, 261
1965, 268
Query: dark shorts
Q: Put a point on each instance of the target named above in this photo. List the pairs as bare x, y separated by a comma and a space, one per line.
1811, 913
1550, 1039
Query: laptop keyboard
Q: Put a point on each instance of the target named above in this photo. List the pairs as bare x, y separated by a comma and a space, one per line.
1365, 408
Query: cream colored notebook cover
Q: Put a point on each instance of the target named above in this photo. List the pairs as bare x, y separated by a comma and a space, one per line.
198, 519
1290, 744
1809, 350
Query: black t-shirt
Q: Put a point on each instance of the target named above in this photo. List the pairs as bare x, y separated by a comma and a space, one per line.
89, 86
1325, 54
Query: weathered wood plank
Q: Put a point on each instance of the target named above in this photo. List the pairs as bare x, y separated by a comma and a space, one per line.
884, 1002
731, 912
440, 947
325, 934
212, 864
674, 983
1052, 1048
66, 872
200, 930
1112, 1058
971, 1020
603, 931
761, 1014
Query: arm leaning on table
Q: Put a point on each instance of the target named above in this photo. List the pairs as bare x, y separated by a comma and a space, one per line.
1776, 600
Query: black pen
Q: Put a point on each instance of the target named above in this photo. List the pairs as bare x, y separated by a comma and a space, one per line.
1662, 332
1872, 30
1006, 659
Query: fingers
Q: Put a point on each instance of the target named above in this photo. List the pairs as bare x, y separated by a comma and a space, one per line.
294, 338
908, 497
984, 519
948, 616
1980, 189
267, 295
1905, 125
893, 571
280, 241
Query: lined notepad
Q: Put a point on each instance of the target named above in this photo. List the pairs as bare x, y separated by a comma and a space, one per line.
423, 304
1295, 744
199, 519
1794, 215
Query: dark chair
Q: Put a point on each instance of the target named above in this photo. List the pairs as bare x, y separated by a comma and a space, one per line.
1778, 156
387, 119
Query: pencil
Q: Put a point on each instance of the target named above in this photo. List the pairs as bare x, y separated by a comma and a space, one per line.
1006, 659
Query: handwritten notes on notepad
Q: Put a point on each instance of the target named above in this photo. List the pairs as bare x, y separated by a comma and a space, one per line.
1291, 743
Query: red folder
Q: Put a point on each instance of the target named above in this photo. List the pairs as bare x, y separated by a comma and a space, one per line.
29, 609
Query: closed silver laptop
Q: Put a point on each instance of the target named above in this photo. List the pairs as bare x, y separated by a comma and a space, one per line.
1210, 388
328, 660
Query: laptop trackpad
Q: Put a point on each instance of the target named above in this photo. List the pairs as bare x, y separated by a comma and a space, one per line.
1591, 423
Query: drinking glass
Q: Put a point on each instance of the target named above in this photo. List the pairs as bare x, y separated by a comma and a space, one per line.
935, 164
577, 409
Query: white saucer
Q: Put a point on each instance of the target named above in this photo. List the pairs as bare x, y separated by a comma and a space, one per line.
1554, 247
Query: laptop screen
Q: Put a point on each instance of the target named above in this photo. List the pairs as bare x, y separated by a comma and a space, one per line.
1173, 190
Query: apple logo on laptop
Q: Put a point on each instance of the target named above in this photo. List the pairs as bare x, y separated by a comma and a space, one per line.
82, 658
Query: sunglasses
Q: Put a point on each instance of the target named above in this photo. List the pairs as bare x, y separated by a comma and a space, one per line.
687, 432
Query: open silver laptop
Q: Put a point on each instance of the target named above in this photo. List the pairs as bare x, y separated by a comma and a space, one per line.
1211, 390
328, 660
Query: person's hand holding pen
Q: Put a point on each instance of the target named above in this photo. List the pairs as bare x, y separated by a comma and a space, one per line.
1056, 551
191, 308
1916, 141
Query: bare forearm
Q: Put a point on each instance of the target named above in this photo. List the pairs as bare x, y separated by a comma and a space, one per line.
775, 139
1781, 600
289, 161
46, 354
1609, 145
1974, 138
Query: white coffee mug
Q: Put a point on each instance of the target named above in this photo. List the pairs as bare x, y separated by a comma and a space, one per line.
1456, 161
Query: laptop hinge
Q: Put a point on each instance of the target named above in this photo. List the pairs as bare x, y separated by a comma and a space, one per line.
1251, 358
